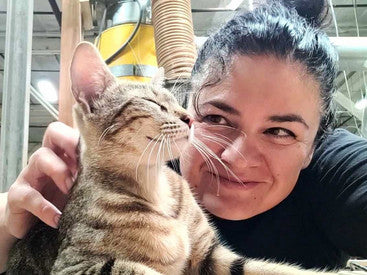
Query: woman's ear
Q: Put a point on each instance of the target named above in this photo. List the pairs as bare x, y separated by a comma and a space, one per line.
308, 158
90, 75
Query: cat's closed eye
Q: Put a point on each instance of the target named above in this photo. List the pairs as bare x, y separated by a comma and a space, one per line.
163, 108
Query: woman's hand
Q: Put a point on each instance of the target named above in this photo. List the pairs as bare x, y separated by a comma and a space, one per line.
41, 188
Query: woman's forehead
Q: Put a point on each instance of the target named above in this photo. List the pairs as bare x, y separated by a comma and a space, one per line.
262, 72
268, 85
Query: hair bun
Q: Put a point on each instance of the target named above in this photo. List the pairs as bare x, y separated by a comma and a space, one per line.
314, 11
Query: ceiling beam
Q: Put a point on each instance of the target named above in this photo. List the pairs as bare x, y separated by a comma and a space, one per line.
348, 104
56, 11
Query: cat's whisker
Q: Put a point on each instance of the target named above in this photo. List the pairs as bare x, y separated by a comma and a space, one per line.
174, 164
178, 148
137, 56
218, 141
164, 145
158, 157
183, 154
104, 133
223, 136
173, 91
210, 139
180, 95
208, 161
150, 154
213, 155
228, 127
212, 169
142, 155
171, 156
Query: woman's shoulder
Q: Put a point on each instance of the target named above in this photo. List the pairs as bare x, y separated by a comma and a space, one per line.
338, 167
339, 161
339, 147
335, 184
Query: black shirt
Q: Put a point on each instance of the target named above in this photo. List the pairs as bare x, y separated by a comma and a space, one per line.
323, 221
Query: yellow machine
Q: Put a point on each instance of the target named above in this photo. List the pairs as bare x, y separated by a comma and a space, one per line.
127, 44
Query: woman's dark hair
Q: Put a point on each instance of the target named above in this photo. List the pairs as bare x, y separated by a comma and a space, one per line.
286, 29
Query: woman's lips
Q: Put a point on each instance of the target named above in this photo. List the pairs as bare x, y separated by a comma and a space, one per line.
232, 183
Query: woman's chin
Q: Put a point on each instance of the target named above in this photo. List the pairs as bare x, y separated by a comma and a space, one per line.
229, 210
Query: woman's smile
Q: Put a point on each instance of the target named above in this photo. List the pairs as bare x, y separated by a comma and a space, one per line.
231, 182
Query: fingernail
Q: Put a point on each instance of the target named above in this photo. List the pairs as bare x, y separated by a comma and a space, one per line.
69, 183
75, 176
56, 220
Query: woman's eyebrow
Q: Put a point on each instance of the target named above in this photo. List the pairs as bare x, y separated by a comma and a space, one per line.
288, 118
223, 106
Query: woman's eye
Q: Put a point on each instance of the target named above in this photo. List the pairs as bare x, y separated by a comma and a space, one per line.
214, 119
280, 133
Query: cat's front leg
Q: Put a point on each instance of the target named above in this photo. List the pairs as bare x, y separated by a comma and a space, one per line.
209, 256
129, 267
220, 260
78, 264
72, 260
255, 267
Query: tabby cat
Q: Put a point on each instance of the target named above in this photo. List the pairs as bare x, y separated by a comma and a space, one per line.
128, 213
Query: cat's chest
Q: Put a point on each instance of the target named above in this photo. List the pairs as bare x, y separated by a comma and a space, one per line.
164, 243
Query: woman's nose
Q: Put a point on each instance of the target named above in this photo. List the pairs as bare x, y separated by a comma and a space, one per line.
242, 152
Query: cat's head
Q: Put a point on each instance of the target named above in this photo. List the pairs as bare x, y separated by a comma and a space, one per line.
124, 122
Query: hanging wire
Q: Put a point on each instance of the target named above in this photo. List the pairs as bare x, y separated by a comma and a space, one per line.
350, 97
355, 15
334, 17
130, 38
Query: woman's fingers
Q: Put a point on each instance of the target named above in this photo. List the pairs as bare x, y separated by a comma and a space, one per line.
41, 188
23, 200
43, 164
63, 140
36, 192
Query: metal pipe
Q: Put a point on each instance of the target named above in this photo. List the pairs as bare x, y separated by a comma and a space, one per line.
17, 75
47, 105
352, 52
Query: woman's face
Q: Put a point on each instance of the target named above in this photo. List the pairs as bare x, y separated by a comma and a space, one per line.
261, 122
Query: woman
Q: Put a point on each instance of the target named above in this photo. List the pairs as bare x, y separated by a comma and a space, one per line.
262, 88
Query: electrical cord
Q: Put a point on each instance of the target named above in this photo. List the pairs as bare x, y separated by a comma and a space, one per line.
113, 56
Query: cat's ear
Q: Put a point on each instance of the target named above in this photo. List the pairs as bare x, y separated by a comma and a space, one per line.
158, 78
90, 75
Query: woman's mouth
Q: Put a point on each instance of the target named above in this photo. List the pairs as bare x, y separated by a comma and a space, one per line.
232, 183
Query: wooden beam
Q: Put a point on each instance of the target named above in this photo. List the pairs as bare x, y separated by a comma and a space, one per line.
86, 15
71, 35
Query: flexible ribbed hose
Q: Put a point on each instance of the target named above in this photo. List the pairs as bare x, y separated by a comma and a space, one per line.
174, 37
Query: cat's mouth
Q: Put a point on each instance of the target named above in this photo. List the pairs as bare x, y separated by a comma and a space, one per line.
150, 138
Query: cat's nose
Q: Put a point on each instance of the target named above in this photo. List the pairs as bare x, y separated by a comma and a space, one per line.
187, 119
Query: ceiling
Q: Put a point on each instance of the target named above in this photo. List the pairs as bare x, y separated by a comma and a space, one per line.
207, 16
